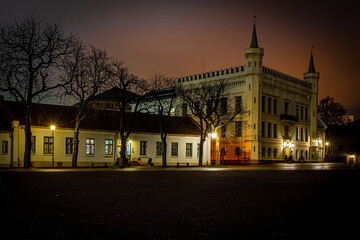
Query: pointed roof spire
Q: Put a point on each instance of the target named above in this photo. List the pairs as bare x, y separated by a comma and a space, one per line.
311, 64
254, 42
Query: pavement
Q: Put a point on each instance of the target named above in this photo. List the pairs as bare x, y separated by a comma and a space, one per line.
281, 201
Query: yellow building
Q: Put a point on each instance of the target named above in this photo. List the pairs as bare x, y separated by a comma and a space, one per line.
282, 116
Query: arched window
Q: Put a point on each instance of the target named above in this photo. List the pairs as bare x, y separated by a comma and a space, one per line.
275, 152
269, 153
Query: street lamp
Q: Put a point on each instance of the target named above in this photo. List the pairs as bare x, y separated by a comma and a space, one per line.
52, 127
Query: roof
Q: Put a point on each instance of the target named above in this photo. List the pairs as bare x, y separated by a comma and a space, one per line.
114, 94
164, 93
321, 124
254, 42
311, 64
45, 115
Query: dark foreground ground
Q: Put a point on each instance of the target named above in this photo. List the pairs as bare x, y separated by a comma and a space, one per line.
216, 204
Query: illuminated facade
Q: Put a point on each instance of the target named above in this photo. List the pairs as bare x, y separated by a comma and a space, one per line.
280, 111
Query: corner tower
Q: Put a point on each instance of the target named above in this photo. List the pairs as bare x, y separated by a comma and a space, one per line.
312, 77
253, 92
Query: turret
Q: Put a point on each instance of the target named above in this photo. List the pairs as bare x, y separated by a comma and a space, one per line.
312, 77
254, 54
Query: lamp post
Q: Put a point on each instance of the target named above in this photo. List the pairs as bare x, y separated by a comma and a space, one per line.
52, 127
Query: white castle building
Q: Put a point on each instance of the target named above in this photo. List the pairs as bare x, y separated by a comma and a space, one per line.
281, 110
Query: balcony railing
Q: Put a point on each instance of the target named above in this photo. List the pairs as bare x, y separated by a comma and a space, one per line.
287, 117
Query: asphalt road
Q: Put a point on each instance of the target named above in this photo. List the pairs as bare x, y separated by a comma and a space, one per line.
176, 204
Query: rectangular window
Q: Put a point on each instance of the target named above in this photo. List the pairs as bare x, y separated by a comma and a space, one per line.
174, 149
306, 135
297, 111
5, 145
48, 145
33, 144
269, 105
287, 108
306, 113
108, 147
238, 106
69, 143
269, 130
198, 150
263, 129
184, 109
263, 102
223, 105
275, 106
302, 112
301, 134
143, 148
188, 149
158, 148
275, 130
238, 129
297, 134
90, 146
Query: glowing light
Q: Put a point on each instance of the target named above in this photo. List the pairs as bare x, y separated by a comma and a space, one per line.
52, 127
327, 143
213, 135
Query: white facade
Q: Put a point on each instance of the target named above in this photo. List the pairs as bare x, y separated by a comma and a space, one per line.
40, 158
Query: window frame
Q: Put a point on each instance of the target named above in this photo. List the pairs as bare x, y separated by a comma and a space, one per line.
91, 145
109, 151
49, 150
158, 148
70, 144
189, 150
174, 149
5, 147
143, 148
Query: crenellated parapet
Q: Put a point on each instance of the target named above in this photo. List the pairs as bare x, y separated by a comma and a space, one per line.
283, 76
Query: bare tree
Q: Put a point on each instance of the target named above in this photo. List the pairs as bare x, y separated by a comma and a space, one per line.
31, 56
331, 112
125, 82
87, 74
161, 100
208, 102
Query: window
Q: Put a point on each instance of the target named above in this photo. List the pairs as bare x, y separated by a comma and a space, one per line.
287, 108
306, 135
301, 134
223, 131
275, 106
223, 105
269, 105
269, 153
297, 134
297, 111
306, 113
302, 112
286, 130
269, 130
263, 151
238, 102
48, 145
5, 145
275, 130
188, 149
174, 149
143, 148
275, 153
198, 150
238, 126
69, 143
158, 148
184, 109
108, 147
263, 102
90, 146
263, 129
33, 144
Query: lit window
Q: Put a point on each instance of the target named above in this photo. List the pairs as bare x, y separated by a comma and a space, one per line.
108, 147
48, 145
90, 146
188, 149
174, 149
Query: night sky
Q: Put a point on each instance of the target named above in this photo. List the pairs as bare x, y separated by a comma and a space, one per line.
173, 37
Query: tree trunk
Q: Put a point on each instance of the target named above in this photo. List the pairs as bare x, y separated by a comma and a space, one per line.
201, 150
27, 154
123, 159
76, 145
218, 162
164, 151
